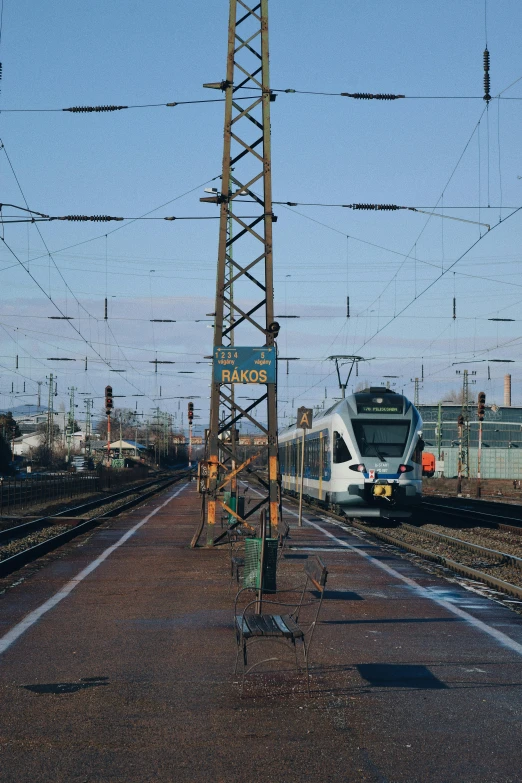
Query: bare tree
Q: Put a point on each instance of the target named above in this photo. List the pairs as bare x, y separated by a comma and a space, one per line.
456, 396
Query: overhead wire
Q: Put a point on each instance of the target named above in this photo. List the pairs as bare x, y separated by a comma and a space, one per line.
129, 222
113, 107
364, 96
442, 274
68, 288
132, 220
59, 309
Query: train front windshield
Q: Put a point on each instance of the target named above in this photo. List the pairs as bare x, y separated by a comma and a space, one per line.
381, 439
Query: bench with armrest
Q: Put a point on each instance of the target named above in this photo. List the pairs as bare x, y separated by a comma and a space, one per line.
257, 621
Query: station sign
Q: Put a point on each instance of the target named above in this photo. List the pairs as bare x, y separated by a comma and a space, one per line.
304, 418
239, 364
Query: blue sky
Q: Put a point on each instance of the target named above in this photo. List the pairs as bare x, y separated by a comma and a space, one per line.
325, 149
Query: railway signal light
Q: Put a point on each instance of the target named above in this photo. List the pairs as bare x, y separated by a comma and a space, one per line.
108, 400
481, 405
460, 420
190, 411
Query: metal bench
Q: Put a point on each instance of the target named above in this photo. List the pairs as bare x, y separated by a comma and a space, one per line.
283, 533
236, 539
256, 622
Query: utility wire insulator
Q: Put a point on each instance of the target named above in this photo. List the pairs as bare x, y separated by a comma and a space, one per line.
377, 207
89, 109
487, 96
368, 96
223, 85
88, 218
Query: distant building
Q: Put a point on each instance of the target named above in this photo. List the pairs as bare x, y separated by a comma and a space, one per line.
26, 445
501, 439
32, 422
129, 448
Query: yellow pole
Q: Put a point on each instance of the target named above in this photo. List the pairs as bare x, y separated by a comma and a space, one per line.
300, 522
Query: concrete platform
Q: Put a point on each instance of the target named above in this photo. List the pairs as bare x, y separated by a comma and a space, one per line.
122, 667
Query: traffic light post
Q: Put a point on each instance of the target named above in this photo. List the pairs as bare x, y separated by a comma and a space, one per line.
481, 410
190, 415
108, 408
460, 422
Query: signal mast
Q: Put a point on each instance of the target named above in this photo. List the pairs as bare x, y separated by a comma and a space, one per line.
190, 415
108, 409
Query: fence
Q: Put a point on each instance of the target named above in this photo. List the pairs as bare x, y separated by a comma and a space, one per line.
110, 478
35, 490
38, 490
495, 463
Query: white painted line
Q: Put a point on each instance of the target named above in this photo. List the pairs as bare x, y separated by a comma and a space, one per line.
505, 640
33, 617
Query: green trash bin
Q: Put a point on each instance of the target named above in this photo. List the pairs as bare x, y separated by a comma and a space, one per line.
231, 501
252, 570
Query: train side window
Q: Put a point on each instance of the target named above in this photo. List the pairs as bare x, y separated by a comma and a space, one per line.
341, 452
417, 452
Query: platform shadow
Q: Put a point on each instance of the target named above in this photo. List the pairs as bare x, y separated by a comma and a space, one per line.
391, 675
338, 595
58, 688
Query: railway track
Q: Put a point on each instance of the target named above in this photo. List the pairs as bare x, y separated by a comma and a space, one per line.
503, 522
28, 541
489, 565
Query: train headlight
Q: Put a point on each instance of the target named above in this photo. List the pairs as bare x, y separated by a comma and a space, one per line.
405, 468
358, 468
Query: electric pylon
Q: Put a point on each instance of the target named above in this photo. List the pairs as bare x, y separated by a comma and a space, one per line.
246, 228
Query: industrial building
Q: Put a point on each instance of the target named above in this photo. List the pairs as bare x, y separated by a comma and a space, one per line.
501, 438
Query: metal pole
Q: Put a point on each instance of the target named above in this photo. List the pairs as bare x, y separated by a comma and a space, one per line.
259, 603
459, 471
300, 522
479, 459
465, 429
439, 432
50, 415
108, 439
88, 428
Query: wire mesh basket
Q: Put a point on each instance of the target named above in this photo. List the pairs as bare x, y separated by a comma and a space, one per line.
252, 570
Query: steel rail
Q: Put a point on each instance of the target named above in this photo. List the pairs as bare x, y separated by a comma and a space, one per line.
512, 560
18, 531
452, 565
471, 512
20, 559
459, 568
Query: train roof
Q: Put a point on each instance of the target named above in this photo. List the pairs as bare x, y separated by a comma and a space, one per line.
370, 401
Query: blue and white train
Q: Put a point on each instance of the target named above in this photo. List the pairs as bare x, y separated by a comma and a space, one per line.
362, 455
